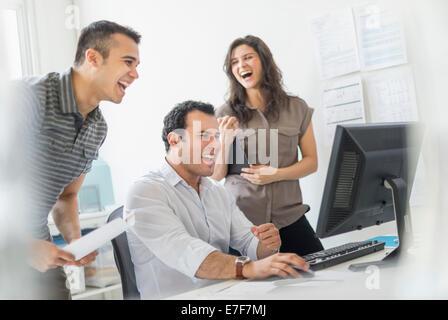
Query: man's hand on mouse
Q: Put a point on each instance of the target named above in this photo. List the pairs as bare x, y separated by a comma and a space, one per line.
279, 264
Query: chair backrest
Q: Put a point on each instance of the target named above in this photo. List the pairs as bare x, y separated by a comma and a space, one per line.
123, 261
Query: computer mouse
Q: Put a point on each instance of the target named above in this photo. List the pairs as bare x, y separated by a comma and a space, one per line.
305, 274
292, 281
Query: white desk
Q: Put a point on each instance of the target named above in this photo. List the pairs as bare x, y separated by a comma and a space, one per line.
394, 283
344, 284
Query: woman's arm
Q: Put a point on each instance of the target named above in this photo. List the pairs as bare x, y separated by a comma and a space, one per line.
309, 162
228, 127
221, 166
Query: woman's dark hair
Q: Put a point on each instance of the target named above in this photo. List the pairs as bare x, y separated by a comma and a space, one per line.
97, 35
271, 82
175, 119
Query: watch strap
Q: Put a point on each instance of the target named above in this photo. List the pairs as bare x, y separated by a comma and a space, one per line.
239, 270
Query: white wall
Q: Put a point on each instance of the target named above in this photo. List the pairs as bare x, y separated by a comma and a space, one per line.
182, 53
54, 40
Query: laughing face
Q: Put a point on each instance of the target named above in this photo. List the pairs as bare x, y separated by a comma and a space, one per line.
246, 66
202, 143
118, 71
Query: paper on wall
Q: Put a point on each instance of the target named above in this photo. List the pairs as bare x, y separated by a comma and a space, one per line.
380, 38
343, 103
336, 43
391, 95
99, 237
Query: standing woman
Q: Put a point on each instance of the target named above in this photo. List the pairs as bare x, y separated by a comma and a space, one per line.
257, 101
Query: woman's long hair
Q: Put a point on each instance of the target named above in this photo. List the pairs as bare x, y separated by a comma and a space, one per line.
271, 85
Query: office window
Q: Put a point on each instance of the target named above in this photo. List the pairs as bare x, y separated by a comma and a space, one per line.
11, 39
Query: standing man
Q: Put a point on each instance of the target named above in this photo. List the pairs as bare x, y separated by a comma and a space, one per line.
67, 131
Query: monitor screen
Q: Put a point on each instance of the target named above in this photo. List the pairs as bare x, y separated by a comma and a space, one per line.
363, 156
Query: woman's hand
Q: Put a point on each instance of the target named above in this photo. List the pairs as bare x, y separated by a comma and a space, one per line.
228, 128
260, 175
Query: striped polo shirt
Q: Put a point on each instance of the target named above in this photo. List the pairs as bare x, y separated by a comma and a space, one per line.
62, 147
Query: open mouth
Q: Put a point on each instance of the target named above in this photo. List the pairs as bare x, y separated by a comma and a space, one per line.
123, 85
208, 158
246, 74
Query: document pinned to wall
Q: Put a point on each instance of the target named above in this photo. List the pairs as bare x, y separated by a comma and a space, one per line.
380, 38
336, 43
343, 103
391, 95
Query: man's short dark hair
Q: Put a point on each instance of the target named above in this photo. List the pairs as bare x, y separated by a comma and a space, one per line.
175, 119
97, 35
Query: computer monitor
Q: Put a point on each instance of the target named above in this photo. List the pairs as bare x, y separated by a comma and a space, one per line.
369, 180
97, 191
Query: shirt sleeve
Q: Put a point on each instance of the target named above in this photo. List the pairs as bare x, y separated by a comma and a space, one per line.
306, 113
88, 167
241, 238
27, 104
162, 232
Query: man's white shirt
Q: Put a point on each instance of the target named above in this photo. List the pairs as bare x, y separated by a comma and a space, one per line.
176, 229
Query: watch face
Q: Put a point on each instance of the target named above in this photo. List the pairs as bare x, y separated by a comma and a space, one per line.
243, 259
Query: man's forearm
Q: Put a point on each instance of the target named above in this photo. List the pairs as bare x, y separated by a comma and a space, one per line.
66, 218
217, 266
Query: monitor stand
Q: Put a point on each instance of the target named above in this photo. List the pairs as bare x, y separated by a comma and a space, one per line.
403, 221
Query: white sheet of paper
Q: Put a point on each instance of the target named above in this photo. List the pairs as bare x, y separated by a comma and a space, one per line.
337, 51
343, 103
391, 95
247, 288
380, 38
97, 238
321, 278
261, 288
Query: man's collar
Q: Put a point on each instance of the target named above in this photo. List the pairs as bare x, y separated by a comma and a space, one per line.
67, 97
169, 174
173, 178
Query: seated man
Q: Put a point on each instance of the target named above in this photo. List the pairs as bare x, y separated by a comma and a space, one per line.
185, 222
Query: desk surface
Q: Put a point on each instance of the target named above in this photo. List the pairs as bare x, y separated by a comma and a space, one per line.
394, 283
336, 282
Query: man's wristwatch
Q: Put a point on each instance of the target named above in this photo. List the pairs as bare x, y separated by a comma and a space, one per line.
239, 263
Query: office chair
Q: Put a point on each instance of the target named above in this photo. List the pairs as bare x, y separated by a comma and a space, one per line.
123, 261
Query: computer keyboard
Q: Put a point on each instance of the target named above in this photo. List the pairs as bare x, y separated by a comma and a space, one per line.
333, 256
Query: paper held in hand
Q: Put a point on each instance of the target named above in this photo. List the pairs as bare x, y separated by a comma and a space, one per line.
99, 237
